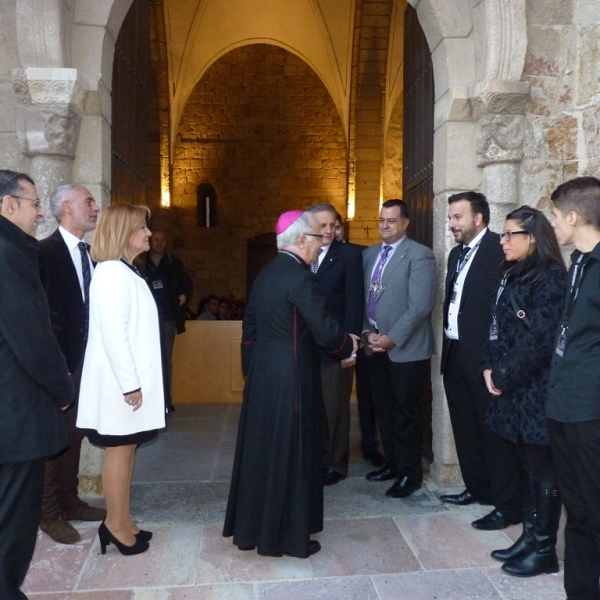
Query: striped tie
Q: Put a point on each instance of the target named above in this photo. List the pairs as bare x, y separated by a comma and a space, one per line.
87, 278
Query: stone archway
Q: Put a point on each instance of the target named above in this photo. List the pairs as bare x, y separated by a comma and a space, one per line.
478, 51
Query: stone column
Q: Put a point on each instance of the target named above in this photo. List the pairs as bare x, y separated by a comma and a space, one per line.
499, 107
50, 103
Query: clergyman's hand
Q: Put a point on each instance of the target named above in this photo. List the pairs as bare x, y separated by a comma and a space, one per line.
355, 342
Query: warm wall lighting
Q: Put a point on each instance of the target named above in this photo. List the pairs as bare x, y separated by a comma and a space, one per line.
351, 203
165, 200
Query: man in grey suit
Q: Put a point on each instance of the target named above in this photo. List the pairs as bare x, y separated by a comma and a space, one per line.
400, 282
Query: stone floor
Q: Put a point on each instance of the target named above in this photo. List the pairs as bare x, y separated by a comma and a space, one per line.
374, 547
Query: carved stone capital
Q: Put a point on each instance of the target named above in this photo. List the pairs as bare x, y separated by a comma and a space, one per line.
500, 139
499, 97
50, 103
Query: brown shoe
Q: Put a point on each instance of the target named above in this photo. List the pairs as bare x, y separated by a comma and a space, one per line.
82, 511
59, 530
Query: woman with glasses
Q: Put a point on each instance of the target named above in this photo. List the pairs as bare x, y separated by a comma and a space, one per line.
516, 362
122, 400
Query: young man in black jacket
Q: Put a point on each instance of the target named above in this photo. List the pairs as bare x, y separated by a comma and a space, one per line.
573, 403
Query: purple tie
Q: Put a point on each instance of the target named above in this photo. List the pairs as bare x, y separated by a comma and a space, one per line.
376, 287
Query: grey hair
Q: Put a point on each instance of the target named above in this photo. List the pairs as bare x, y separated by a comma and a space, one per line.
317, 208
290, 236
58, 197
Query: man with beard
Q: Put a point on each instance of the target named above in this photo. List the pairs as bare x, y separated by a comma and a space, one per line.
66, 269
489, 464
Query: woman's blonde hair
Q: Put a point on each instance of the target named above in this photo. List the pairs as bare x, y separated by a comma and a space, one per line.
116, 226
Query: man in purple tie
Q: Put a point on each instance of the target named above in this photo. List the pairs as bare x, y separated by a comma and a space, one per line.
400, 282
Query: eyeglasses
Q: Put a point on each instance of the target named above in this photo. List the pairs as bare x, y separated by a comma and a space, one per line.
36, 202
507, 235
317, 235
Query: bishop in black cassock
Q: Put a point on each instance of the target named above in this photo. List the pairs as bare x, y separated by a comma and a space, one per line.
276, 495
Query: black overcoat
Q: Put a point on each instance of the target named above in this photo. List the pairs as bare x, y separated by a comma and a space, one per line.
34, 380
276, 496
520, 357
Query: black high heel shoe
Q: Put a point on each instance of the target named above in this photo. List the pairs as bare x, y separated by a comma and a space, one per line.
106, 538
146, 536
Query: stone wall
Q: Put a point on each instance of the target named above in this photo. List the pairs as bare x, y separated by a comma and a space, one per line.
262, 129
563, 115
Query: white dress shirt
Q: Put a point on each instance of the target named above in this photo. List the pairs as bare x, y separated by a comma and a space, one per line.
72, 242
453, 308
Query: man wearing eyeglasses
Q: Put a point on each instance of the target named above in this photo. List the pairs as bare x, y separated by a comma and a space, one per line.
66, 269
34, 380
400, 283
339, 271
488, 463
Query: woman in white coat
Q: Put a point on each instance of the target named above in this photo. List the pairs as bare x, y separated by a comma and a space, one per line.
121, 403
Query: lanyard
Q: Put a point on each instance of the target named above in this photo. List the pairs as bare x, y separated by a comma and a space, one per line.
576, 282
461, 265
498, 294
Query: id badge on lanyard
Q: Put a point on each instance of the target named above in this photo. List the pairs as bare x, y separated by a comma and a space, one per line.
561, 343
493, 331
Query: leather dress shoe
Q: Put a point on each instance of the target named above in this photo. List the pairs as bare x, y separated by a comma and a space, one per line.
331, 476
82, 511
383, 474
402, 488
462, 499
60, 530
377, 459
494, 520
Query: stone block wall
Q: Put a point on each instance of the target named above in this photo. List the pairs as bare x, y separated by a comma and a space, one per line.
563, 67
261, 127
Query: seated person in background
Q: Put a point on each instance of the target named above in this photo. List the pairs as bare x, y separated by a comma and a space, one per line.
225, 310
208, 309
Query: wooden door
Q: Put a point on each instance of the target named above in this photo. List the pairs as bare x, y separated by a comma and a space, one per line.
418, 160
130, 87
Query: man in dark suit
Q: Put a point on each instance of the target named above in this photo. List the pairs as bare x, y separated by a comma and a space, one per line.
65, 266
489, 464
400, 281
364, 399
339, 271
34, 380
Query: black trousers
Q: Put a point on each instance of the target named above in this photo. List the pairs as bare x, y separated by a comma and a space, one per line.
364, 400
490, 465
336, 384
576, 453
20, 506
397, 389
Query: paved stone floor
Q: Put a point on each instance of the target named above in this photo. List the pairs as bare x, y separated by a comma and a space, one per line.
374, 547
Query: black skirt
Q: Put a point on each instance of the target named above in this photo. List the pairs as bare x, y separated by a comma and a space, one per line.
112, 441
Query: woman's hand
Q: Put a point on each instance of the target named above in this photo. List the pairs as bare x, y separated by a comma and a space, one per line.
487, 375
134, 399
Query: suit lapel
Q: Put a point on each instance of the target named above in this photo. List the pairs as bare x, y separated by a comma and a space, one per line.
475, 265
66, 261
330, 258
396, 259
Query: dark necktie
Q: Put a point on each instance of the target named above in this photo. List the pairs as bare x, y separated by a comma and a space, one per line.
314, 266
87, 278
461, 257
376, 286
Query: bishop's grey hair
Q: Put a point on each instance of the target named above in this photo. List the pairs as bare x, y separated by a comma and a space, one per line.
290, 236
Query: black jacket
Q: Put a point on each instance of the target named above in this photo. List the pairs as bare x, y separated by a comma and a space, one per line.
167, 281
340, 276
67, 309
34, 381
481, 283
574, 390
520, 357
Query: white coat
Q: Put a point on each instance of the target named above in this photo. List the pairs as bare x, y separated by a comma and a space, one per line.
122, 355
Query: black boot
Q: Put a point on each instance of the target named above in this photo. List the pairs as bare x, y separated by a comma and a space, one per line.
542, 557
525, 543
